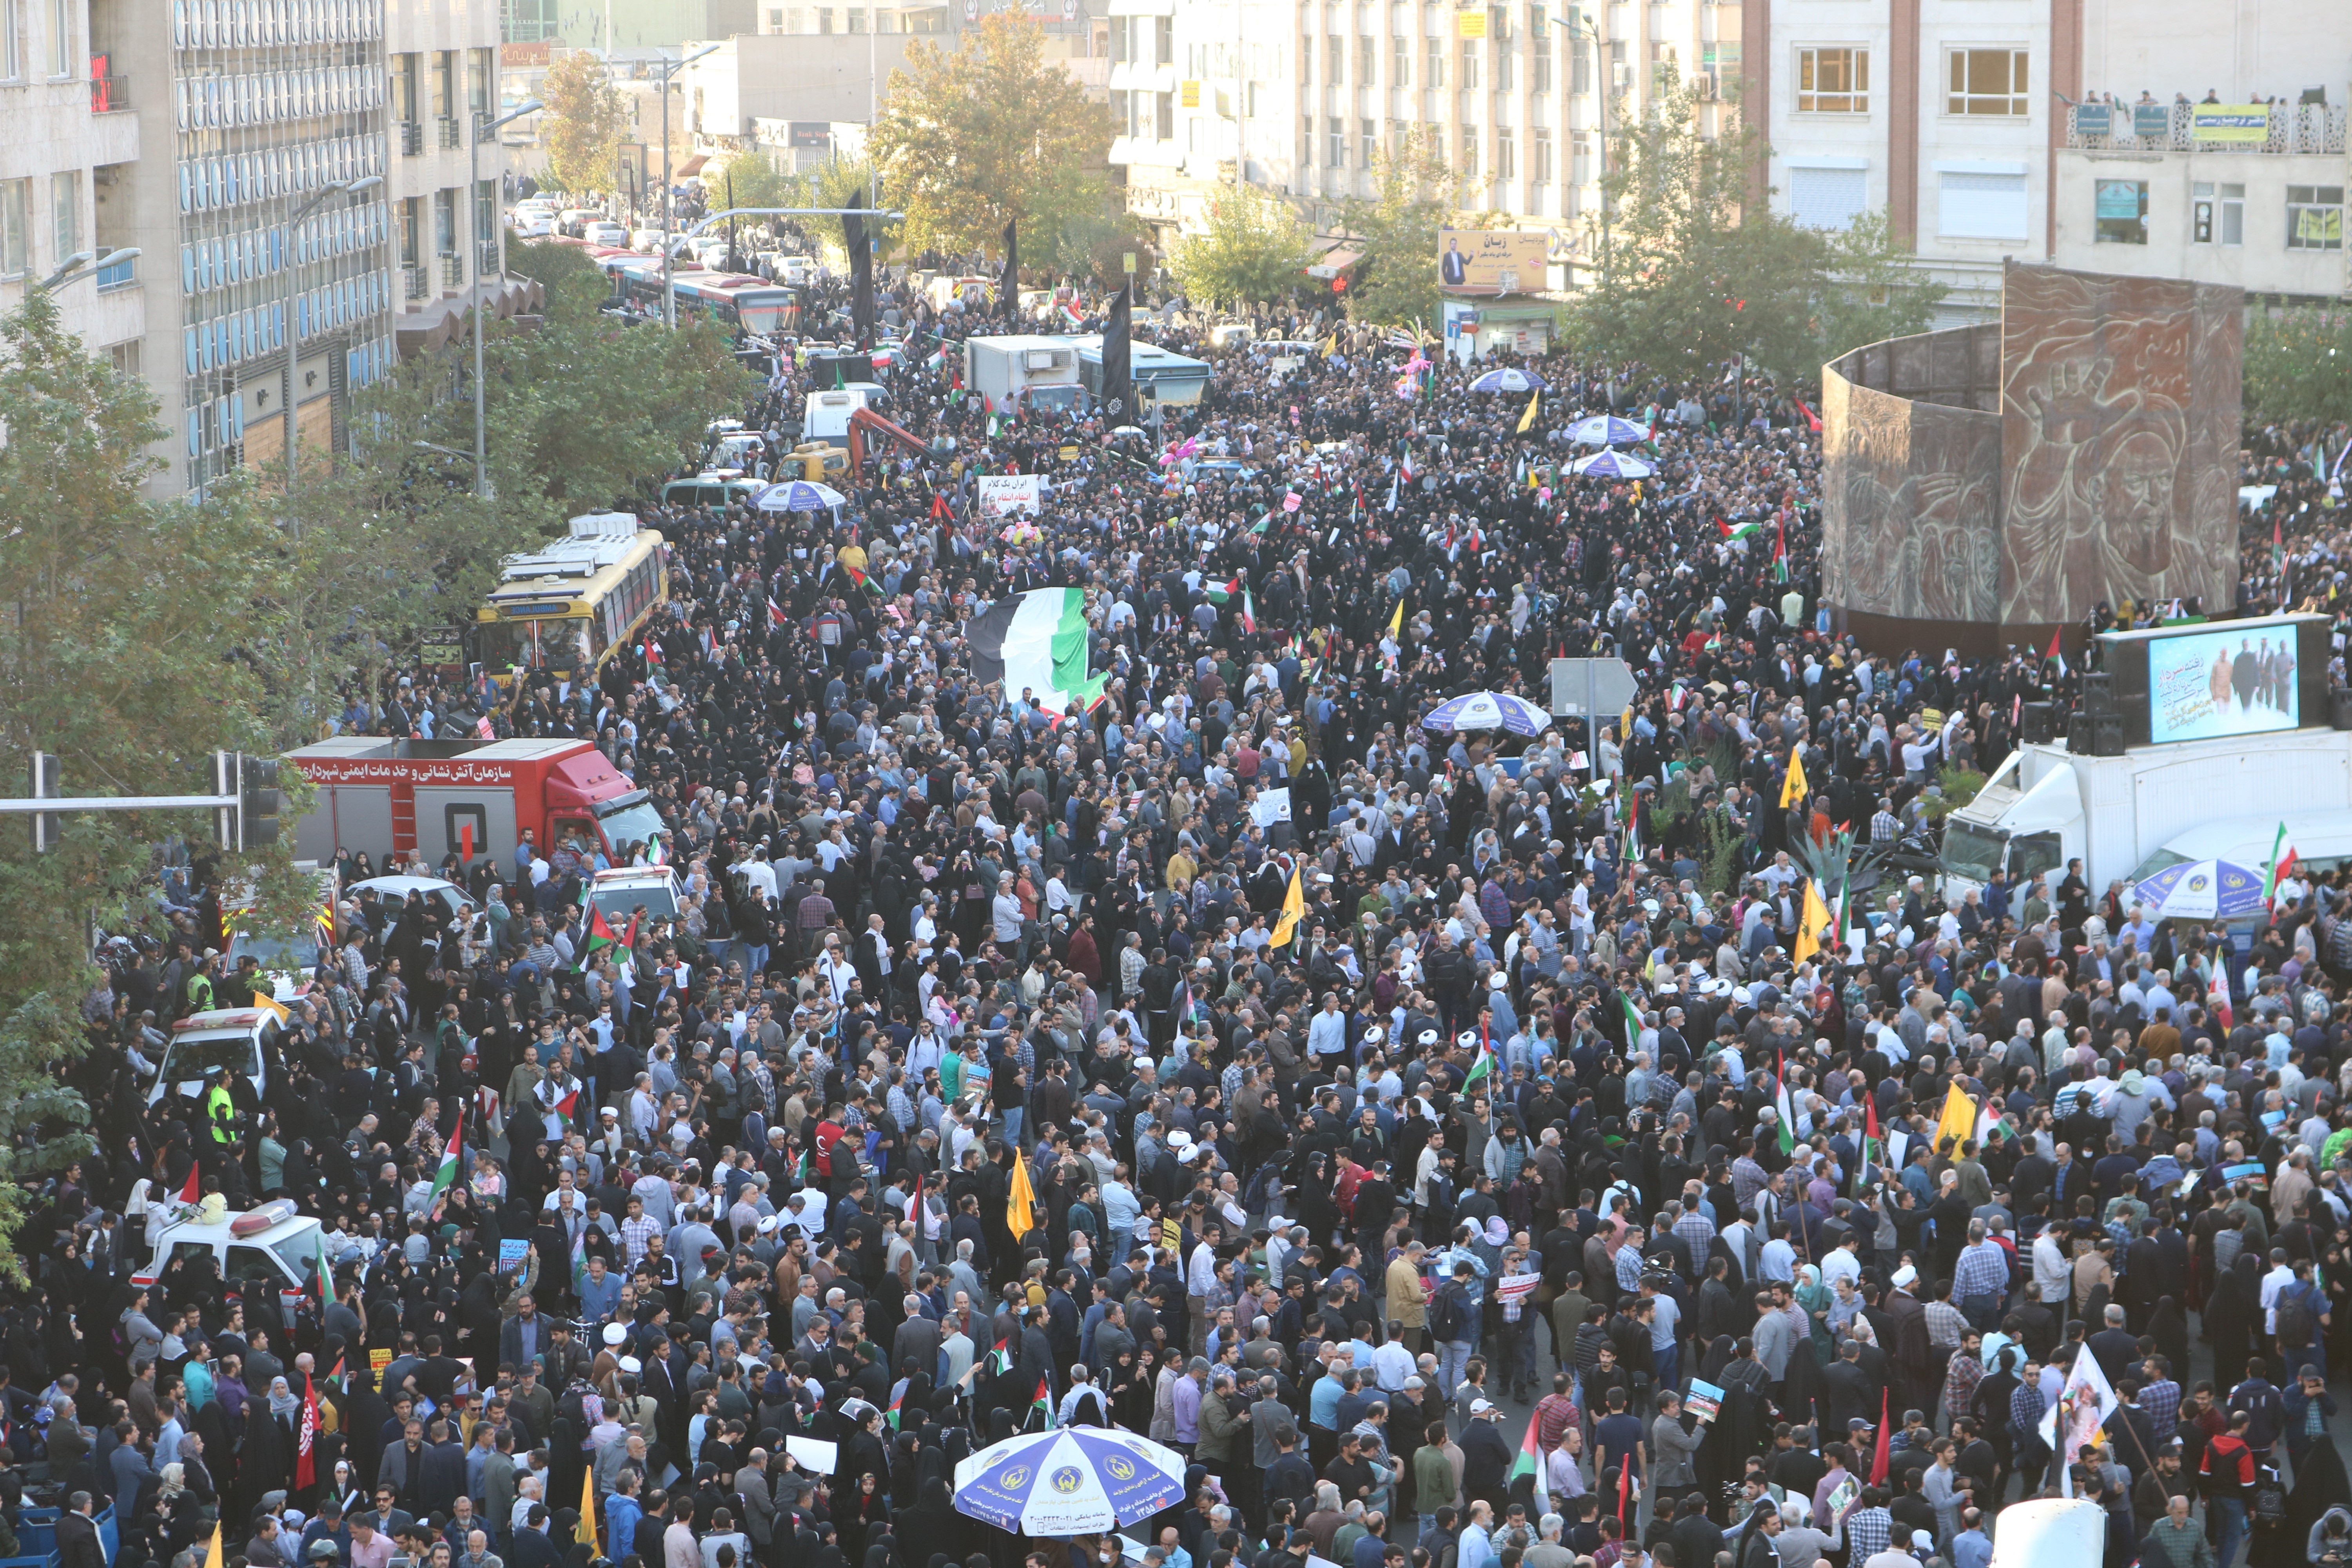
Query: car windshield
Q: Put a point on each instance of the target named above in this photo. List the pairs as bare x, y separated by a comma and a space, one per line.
277, 954
630, 819
1972, 850
618, 903
2159, 861
188, 1060
299, 1251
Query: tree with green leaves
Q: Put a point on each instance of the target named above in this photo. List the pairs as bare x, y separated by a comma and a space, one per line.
584, 409
1251, 249
844, 182
1396, 230
1695, 272
994, 132
2299, 365
136, 642
583, 124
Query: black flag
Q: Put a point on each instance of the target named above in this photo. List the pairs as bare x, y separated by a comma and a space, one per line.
1118, 389
1009, 291
861, 280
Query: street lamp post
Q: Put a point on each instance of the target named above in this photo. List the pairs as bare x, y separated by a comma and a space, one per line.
73, 266
294, 327
670, 240
474, 185
1576, 22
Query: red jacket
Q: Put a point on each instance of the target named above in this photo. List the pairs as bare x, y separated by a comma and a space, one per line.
2228, 1465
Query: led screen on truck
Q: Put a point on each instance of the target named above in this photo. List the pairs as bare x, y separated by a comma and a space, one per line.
2209, 686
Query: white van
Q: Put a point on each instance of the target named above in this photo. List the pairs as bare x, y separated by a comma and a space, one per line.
621, 892
825, 416
272, 1244
203, 1044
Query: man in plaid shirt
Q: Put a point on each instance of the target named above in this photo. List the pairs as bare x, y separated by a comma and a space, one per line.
1697, 1232
1962, 1373
2159, 1397
635, 1230
1868, 1526
1980, 1281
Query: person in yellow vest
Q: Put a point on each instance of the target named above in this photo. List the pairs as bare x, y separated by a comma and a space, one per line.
199, 983
220, 1112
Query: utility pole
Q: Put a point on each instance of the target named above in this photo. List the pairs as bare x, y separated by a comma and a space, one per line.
1579, 25
670, 240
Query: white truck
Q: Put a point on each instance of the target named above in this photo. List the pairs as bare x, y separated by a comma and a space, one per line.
1024, 368
2047, 806
2191, 735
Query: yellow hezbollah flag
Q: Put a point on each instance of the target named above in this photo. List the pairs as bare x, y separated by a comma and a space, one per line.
1021, 1203
1534, 398
268, 1002
1293, 909
1794, 791
1959, 1121
214, 1558
588, 1511
1811, 922
1396, 619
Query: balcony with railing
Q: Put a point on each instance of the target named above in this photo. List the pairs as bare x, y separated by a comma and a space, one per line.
451, 131
417, 281
412, 138
453, 271
120, 275
2251, 128
110, 94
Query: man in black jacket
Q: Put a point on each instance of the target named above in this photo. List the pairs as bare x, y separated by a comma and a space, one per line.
77, 1542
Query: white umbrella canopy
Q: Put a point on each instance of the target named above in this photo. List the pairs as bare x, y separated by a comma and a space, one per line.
798, 495
1607, 430
1076, 1481
1613, 465
1488, 710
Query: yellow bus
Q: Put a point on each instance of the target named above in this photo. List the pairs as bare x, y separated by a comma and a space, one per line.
566, 608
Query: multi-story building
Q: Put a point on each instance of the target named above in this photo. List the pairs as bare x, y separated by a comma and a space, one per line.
2249, 189
1986, 130
624, 24
255, 109
73, 136
1302, 96
442, 60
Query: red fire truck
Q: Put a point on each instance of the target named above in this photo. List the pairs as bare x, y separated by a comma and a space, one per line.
376, 795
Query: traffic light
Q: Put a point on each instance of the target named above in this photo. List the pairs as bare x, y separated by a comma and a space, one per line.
257, 802
46, 826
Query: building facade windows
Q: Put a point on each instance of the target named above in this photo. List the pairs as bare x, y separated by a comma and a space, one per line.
2119, 214
2315, 217
1985, 81
1833, 81
2217, 214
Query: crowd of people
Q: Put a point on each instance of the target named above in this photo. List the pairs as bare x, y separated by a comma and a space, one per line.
1003, 1055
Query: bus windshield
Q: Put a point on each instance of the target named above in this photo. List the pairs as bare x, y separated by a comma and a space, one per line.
536, 644
764, 314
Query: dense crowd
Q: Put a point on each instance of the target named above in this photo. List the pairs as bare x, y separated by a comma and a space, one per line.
1538, 1093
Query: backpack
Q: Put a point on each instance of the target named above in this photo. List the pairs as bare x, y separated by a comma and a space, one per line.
1449, 1319
2295, 1315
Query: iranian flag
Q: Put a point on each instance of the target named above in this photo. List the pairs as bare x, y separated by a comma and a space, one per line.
447, 1177
2216, 998
1037, 640
1781, 1103
2282, 865
1632, 1021
1527, 1464
1249, 610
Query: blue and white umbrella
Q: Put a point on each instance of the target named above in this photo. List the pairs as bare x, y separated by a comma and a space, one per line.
1607, 430
798, 495
1512, 379
1488, 710
2201, 891
1612, 465
1076, 1481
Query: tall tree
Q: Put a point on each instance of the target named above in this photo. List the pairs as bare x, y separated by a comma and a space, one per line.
131, 648
584, 121
1252, 248
1695, 272
2299, 366
972, 140
1415, 189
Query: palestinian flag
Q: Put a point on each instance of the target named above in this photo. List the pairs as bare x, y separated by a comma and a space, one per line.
1037, 640
600, 937
896, 1401
1743, 531
1788, 1113
1780, 550
192, 1194
2055, 655
1482, 1071
1874, 1146
1000, 1360
326, 1280
1262, 524
653, 653
1527, 1464
2282, 865
1223, 592
447, 1177
1041, 1403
